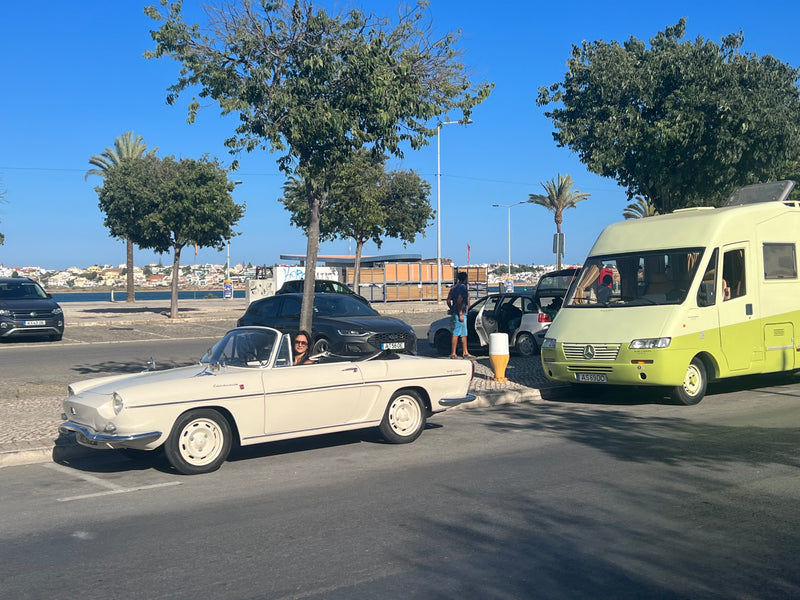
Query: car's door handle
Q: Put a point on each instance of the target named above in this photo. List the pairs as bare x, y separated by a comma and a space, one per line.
353, 369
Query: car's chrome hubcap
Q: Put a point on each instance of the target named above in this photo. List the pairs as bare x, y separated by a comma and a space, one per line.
201, 442
404, 416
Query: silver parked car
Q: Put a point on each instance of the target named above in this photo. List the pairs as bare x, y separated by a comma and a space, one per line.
517, 314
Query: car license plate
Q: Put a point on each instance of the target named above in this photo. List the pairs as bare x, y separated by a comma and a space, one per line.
393, 346
33, 323
593, 377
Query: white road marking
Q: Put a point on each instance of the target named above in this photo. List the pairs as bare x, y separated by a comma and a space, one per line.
120, 491
112, 488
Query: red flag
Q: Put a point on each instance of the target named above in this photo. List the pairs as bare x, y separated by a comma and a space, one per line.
468, 249
195, 249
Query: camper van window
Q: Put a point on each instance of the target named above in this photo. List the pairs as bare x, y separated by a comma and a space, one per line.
733, 275
706, 292
780, 261
638, 279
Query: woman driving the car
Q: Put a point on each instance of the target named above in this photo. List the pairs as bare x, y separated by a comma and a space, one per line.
301, 348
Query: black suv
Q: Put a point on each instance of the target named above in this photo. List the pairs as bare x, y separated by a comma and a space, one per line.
341, 324
27, 310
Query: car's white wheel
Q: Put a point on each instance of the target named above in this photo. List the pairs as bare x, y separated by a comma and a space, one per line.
526, 344
199, 443
694, 384
404, 418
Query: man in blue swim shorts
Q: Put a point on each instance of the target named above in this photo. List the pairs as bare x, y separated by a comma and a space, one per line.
458, 305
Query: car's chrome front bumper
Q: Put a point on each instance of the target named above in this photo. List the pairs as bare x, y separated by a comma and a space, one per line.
448, 402
92, 439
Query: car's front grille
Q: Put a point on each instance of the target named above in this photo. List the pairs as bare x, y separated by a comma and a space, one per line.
32, 314
409, 340
591, 351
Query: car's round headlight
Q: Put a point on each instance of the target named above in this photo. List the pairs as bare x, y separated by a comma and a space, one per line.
118, 403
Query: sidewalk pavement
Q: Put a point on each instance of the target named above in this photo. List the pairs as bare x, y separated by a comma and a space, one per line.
525, 376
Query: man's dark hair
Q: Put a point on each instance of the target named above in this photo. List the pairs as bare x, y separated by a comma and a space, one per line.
462, 277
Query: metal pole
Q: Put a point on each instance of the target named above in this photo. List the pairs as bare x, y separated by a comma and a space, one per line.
509, 241
438, 215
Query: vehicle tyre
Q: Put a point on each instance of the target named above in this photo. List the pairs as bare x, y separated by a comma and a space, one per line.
443, 342
694, 384
200, 442
526, 344
404, 418
320, 346
56, 337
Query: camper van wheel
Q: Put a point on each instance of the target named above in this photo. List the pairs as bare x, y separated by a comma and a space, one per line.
694, 384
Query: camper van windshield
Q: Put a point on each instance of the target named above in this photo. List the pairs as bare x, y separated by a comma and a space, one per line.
635, 279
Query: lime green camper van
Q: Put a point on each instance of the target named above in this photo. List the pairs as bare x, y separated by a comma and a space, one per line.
681, 299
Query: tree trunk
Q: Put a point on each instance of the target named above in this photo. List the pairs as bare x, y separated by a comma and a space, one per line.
312, 249
357, 266
176, 273
129, 275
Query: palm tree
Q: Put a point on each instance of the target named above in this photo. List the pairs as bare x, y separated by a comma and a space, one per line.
640, 209
559, 198
125, 147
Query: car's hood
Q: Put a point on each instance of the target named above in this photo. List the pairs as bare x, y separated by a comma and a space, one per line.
377, 323
612, 325
29, 305
112, 383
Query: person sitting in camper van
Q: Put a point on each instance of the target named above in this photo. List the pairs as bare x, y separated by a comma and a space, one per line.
604, 290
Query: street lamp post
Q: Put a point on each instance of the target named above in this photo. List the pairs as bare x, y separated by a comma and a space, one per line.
509, 207
439, 206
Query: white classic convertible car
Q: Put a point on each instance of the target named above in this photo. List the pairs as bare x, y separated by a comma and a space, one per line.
245, 390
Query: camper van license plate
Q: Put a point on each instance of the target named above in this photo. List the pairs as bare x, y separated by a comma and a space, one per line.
593, 377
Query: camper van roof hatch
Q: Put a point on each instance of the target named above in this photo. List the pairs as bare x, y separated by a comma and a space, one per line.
774, 191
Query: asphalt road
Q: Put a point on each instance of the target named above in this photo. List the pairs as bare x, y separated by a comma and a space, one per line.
604, 497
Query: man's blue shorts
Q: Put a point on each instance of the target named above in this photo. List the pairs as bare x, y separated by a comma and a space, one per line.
459, 328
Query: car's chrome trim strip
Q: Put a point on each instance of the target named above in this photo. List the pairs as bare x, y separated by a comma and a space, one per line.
348, 426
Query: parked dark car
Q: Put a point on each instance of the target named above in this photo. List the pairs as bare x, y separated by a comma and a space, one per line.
517, 314
295, 286
341, 324
26, 310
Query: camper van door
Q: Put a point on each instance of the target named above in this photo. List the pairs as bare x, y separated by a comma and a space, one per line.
739, 329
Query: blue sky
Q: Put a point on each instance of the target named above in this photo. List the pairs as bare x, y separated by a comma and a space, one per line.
74, 79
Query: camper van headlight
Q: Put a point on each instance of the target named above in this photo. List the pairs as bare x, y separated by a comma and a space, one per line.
549, 343
650, 343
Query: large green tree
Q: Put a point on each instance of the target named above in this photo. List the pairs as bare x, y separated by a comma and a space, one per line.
126, 147
316, 86
165, 205
680, 122
365, 203
558, 197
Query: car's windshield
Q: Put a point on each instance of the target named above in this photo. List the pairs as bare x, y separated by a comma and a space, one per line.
635, 279
21, 291
246, 347
339, 305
